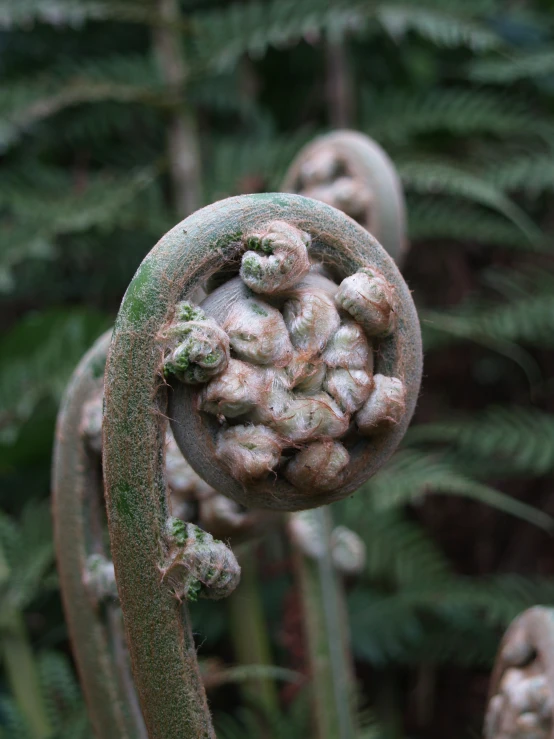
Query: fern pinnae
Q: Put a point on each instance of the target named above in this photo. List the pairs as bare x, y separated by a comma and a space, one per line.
444, 178
442, 28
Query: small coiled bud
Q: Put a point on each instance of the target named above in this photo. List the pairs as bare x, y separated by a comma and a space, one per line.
310, 417
197, 565
349, 348
235, 392
305, 375
369, 299
345, 193
348, 551
349, 387
385, 406
522, 702
319, 466
258, 334
248, 452
277, 258
311, 318
320, 167
201, 350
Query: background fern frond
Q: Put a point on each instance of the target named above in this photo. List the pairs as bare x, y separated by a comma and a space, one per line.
398, 551
395, 117
41, 353
72, 13
411, 475
528, 319
532, 175
453, 219
530, 65
222, 36
519, 440
441, 28
443, 178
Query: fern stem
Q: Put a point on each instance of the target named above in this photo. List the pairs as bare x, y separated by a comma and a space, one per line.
182, 136
20, 666
248, 630
96, 638
327, 637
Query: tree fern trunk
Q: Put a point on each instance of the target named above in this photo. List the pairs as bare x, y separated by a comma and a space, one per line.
182, 137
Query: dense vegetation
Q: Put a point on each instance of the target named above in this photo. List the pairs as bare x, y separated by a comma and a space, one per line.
461, 95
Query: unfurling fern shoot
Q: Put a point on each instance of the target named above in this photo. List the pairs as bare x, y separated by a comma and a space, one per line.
250, 402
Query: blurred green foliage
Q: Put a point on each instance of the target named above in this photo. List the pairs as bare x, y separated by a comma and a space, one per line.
461, 94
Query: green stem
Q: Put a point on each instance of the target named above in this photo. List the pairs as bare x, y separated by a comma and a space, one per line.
20, 666
328, 638
249, 632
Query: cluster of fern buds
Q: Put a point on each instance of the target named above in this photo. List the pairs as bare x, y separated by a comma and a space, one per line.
285, 356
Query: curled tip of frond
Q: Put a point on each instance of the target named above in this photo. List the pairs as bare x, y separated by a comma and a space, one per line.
299, 364
369, 299
258, 334
521, 708
306, 375
320, 167
311, 318
197, 565
277, 258
201, 352
345, 193
305, 418
348, 551
349, 387
319, 467
235, 392
385, 406
523, 702
349, 348
248, 452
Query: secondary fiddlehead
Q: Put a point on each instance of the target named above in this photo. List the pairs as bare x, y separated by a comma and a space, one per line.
352, 172
521, 698
136, 398
83, 561
86, 571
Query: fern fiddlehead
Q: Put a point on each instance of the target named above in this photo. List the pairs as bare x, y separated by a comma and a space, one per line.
136, 402
350, 171
521, 701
